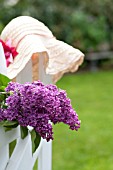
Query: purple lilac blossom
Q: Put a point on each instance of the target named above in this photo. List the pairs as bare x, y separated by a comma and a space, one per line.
36, 104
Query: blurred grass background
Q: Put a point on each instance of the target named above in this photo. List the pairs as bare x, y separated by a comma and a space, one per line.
91, 148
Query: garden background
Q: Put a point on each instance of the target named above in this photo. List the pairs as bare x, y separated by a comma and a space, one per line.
87, 25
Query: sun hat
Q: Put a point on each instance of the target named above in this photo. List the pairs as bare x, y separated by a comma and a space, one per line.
30, 36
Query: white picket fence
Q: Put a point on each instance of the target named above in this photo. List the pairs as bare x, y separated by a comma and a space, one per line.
22, 158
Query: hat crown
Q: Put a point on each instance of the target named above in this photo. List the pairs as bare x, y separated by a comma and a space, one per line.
21, 26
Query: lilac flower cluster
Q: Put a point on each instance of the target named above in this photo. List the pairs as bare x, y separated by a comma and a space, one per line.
37, 105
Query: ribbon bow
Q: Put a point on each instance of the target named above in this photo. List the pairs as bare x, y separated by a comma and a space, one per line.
10, 52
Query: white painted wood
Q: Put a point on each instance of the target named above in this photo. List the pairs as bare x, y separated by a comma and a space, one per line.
26, 74
3, 69
37, 152
44, 152
7, 137
45, 156
46, 79
4, 150
4, 156
22, 158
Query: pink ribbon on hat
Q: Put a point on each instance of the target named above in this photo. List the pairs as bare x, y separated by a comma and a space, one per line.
10, 52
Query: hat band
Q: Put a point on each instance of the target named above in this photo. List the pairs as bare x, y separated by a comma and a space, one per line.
10, 52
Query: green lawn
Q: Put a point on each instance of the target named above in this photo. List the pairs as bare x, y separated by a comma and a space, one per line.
91, 148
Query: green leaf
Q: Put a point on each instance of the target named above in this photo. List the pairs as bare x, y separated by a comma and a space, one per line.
4, 80
35, 138
3, 94
7, 129
4, 106
24, 131
1, 123
2, 97
10, 124
2, 88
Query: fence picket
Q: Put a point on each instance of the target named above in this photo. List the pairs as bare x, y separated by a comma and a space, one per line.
7, 137
3, 69
22, 158
45, 156
4, 157
22, 155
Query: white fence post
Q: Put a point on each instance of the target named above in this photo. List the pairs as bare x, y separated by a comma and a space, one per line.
4, 157
22, 158
45, 153
45, 156
4, 150
3, 69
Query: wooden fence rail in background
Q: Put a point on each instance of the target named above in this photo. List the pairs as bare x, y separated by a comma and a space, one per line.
94, 57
